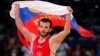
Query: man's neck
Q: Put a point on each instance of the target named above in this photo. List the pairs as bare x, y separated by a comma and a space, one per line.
42, 39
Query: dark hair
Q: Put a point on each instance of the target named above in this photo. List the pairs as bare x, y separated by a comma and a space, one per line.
46, 20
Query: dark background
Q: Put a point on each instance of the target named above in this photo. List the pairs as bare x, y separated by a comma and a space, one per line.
86, 13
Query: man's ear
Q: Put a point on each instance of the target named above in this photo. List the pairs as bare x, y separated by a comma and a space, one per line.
50, 29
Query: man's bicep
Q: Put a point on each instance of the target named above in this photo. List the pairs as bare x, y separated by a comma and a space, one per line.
58, 38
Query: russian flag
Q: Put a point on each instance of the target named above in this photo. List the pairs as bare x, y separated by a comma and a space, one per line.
56, 13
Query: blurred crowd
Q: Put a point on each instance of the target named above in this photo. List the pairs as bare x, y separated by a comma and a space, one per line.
86, 13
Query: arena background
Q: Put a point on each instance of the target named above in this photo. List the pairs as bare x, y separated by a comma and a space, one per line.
86, 13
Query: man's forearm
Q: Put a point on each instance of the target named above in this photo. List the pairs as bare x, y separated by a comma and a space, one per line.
18, 20
67, 24
68, 18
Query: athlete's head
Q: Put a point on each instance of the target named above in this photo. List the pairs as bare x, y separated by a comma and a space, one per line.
45, 26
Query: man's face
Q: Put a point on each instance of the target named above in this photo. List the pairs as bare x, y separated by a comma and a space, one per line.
44, 28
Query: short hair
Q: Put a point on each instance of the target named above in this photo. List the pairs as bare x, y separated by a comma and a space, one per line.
46, 20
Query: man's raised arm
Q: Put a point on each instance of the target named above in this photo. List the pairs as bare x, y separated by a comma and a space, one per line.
20, 24
58, 38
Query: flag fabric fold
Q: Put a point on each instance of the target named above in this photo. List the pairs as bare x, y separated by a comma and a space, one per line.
56, 13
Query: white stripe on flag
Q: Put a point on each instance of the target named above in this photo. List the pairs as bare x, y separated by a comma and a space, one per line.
41, 6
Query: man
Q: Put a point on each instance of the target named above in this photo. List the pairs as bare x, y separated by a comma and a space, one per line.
43, 45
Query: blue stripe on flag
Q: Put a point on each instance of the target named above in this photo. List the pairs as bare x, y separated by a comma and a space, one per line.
75, 25
26, 15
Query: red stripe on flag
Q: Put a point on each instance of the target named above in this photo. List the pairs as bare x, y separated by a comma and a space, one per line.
85, 33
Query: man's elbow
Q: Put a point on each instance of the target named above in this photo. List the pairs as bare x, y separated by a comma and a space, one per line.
67, 31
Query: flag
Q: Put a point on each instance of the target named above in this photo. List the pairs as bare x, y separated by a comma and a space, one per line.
56, 13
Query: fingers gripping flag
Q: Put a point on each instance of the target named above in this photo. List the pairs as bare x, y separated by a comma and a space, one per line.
30, 12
